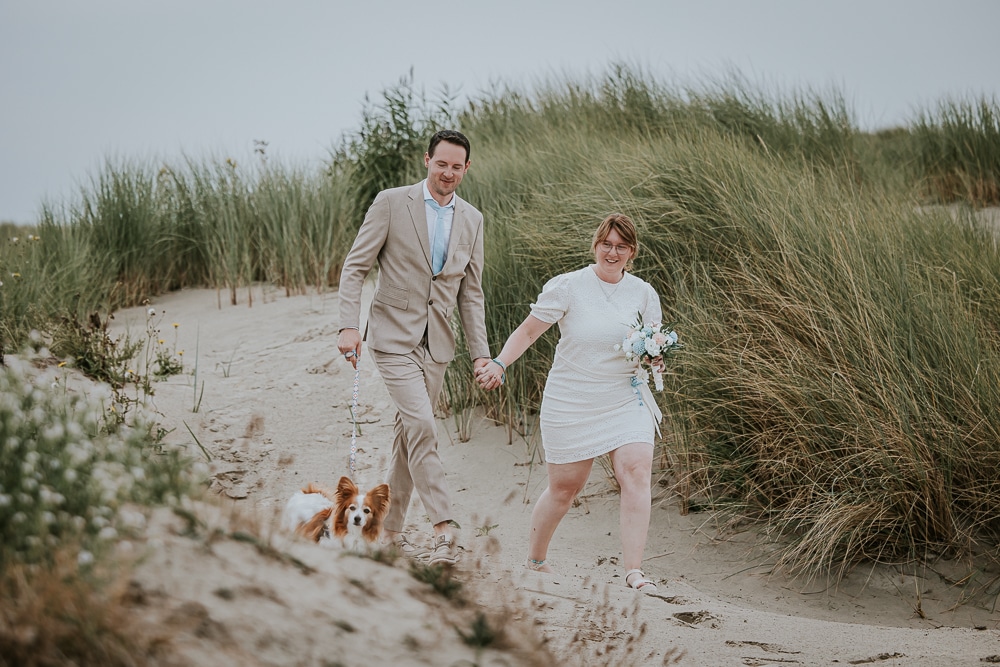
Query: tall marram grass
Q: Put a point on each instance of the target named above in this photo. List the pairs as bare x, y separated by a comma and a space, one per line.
958, 145
840, 378
141, 229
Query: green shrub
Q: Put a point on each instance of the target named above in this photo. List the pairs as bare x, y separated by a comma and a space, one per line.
63, 478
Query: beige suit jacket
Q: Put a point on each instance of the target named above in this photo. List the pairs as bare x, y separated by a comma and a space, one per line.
408, 297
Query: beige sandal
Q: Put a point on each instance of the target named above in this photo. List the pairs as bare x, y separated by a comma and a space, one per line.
640, 583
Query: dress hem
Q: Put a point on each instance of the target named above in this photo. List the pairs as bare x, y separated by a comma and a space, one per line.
587, 455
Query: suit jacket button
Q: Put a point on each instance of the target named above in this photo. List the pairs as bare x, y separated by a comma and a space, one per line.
431, 302
433, 278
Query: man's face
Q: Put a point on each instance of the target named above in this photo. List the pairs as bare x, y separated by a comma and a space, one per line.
445, 170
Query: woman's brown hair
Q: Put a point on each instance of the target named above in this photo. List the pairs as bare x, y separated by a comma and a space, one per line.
622, 224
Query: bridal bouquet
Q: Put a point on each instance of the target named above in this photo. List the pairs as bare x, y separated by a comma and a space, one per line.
645, 342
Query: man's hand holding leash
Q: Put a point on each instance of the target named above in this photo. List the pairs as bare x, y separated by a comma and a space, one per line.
349, 344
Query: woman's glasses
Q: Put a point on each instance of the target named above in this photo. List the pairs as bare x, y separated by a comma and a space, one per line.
621, 248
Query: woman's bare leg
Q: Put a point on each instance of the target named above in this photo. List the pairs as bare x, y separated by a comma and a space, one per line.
633, 465
566, 480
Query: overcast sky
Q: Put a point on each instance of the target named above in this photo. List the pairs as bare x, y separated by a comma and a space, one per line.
85, 80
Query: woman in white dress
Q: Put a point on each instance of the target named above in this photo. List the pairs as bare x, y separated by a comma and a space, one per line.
591, 404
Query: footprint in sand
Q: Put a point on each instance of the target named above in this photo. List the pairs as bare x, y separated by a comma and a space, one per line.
693, 618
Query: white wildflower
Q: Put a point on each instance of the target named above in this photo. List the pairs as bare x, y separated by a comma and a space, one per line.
46, 495
132, 519
54, 433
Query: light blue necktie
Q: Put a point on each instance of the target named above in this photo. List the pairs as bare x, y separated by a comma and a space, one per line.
440, 244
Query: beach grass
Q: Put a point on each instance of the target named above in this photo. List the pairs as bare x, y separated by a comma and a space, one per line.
839, 382
958, 147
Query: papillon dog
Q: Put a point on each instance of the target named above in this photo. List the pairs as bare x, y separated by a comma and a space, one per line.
345, 518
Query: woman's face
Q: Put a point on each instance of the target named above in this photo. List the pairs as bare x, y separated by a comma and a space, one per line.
612, 253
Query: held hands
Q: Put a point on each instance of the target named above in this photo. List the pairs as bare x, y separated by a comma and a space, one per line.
349, 344
489, 373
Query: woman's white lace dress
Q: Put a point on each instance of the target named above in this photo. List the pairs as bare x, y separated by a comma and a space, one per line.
590, 406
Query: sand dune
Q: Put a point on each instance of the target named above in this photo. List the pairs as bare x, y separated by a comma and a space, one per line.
272, 399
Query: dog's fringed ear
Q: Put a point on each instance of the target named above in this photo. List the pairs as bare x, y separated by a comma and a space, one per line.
314, 528
380, 499
346, 488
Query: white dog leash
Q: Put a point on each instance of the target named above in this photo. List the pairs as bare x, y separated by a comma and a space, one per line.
354, 412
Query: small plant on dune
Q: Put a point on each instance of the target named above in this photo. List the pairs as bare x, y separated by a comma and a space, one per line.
484, 530
93, 351
90, 349
99, 356
169, 360
480, 634
440, 577
228, 365
198, 395
161, 360
387, 556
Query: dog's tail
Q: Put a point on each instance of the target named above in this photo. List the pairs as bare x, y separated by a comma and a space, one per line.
322, 490
317, 526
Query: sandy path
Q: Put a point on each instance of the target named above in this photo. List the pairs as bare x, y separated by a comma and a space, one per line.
273, 413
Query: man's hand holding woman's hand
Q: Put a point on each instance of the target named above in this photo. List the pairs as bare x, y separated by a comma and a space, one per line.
489, 373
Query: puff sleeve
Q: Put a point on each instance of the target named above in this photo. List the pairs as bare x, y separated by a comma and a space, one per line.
552, 303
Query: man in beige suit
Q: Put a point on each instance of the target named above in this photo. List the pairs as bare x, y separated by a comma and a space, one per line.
428, 243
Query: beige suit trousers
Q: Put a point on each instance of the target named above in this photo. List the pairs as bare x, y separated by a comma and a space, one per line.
414, 381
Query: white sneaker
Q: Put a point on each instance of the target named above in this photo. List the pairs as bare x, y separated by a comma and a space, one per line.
445, 551
408, 549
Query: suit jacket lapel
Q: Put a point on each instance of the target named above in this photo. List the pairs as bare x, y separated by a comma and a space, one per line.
418, 215
459, 226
